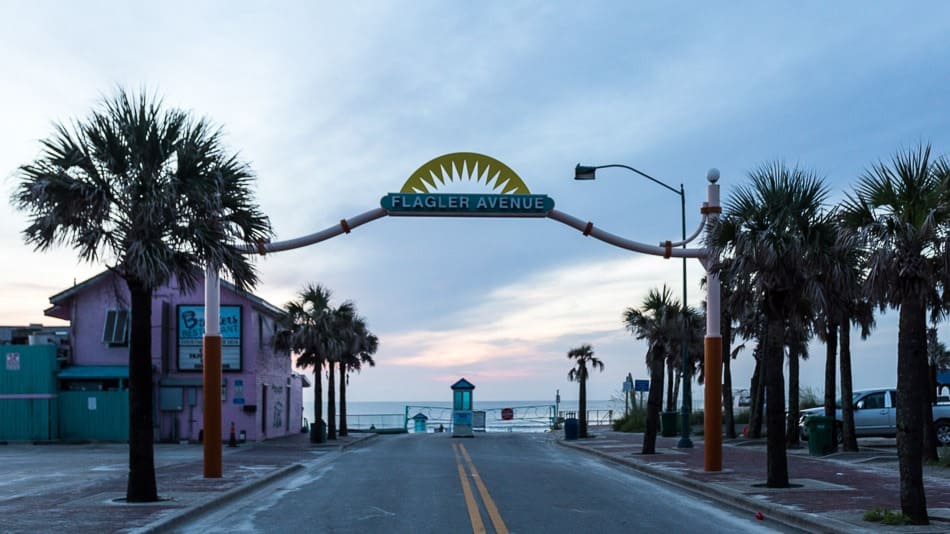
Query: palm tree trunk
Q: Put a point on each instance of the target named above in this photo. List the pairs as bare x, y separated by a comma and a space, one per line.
791, 420
141, 485
343, 429
776, 459
670, 403
831, 352
582, 407
654, 405
317, 437
849, 439
331, 402
911, 362
930, 429
727, 400
677, 377
757, 397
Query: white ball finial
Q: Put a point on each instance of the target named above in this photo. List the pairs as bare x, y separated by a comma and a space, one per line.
713, 175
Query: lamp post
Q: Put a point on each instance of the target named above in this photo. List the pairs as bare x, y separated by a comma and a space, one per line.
584, 172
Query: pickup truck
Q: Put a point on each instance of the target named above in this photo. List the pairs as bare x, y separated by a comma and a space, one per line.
874, 415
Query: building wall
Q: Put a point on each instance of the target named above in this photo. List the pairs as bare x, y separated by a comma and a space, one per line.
242, 390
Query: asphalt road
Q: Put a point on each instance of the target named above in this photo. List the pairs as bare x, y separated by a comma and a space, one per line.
505, 482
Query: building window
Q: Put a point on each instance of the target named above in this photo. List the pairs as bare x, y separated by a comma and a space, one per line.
116, 330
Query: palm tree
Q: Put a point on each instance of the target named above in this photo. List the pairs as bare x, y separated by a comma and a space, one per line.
656, 321
343, 320
363, 344
306, 329
901, 211
152, 193
583, 357
774, 229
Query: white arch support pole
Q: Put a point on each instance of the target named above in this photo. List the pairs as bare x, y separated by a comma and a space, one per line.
211, 375
712, 415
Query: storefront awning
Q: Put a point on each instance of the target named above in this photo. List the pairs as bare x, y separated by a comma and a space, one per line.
181, 381
90, 372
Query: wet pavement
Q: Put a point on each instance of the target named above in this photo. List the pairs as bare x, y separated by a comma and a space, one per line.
828, 494
66, 487
60, 487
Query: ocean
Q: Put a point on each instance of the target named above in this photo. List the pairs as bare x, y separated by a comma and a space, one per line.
526, 416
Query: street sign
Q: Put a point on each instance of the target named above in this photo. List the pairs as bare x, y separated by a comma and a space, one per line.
641, 385
507, 414
627, 386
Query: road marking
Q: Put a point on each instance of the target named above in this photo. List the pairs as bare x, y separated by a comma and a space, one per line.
496, 519
478, 527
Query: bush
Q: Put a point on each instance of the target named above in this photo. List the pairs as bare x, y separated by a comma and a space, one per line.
807, 398
887, 517
635, 421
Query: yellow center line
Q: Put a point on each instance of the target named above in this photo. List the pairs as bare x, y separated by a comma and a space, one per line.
478, 527
496, 519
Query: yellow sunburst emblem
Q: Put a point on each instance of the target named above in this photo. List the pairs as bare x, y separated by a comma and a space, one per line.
459, 166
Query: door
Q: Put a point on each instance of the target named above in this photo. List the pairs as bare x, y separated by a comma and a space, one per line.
873, 414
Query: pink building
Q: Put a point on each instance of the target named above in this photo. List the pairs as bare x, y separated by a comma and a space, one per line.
260, 394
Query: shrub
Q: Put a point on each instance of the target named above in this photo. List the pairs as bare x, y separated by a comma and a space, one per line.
808, 398
886, 517
636, 421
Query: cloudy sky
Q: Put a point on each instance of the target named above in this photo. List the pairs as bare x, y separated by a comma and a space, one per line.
335, 106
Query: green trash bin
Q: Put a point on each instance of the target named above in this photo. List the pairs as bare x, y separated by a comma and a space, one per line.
819, 435
571, 428
668, 424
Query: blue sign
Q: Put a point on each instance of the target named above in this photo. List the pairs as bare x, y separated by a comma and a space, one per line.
467, 205
191, 331
641, 385
238, 400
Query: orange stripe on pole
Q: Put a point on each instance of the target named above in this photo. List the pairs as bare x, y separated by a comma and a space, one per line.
211, 373
712, 420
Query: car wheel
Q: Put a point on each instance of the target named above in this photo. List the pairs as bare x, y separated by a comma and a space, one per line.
943, 431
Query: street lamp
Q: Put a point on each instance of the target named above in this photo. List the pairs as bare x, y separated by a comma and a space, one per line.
584, 172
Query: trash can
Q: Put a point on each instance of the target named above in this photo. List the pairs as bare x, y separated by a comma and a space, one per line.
571, 428
318, 431
668, 424
819, 435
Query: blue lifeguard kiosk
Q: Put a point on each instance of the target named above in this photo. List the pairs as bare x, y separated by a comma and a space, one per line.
420, 422
462, 409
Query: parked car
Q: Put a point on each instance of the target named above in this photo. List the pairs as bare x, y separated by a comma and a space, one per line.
875, 415
745, 399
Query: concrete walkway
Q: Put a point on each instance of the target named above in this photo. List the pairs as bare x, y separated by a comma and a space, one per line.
79, 488
829, 493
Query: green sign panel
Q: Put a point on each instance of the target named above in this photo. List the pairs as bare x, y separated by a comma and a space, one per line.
467, 205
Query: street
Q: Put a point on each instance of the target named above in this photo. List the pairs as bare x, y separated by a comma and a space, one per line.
504, 482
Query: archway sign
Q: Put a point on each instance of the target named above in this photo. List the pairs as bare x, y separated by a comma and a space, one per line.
507, 195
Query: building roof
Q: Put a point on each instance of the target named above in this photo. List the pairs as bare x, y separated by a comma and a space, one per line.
62, 296
463, 384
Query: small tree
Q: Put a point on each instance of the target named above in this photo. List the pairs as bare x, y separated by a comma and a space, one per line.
583, 357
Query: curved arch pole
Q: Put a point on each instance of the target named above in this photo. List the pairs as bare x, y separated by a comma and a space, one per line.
588, 228
713, 342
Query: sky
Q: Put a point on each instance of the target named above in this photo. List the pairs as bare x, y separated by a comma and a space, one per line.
335, 104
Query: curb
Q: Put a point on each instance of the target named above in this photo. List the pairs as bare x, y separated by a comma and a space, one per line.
169, 524
734, 499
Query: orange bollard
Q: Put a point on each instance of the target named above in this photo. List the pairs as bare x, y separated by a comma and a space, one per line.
232, 441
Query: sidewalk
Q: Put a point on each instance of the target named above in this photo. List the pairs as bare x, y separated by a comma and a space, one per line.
829, 494
82, 498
